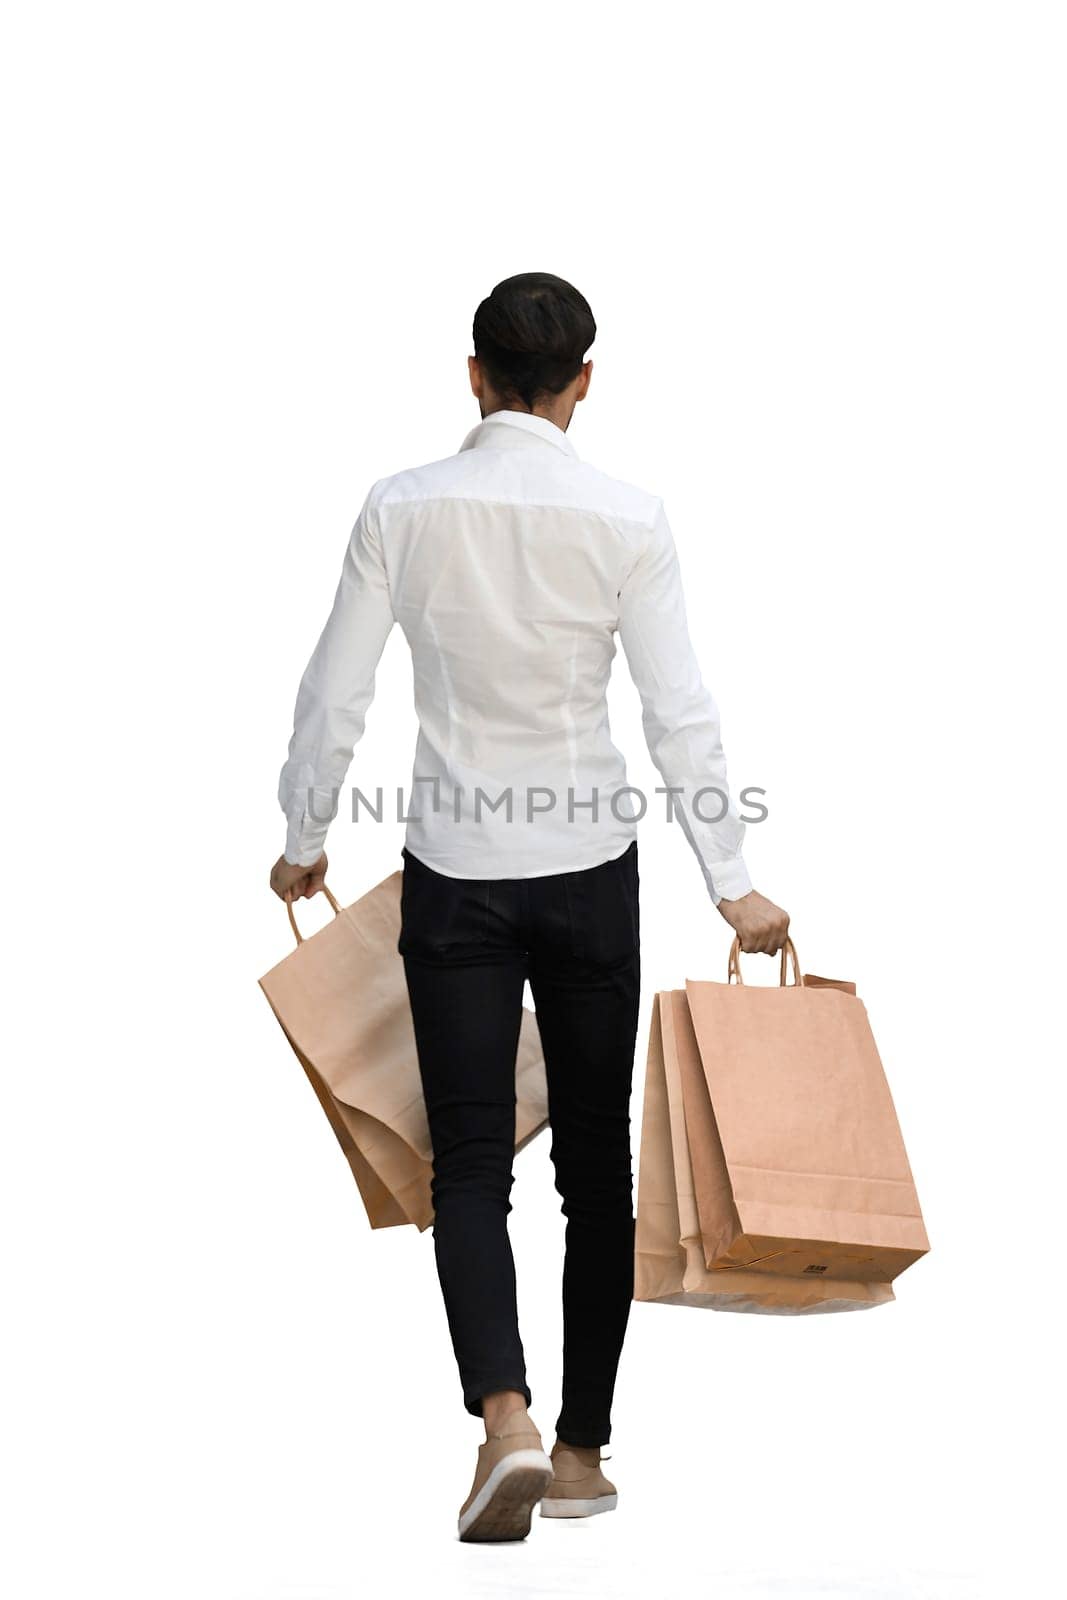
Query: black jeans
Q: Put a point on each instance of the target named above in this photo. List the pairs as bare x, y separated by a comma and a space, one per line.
469, 944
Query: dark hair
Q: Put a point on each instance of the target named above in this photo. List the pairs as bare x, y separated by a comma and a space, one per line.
531, 334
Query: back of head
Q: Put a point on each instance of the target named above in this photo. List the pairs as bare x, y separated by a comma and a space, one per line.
531, 334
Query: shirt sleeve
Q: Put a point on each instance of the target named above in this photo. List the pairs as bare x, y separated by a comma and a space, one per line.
335, 693
680, 718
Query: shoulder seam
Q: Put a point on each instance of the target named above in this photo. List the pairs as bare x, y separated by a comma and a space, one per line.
541, 505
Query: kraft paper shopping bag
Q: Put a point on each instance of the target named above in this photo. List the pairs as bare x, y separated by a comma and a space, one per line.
807, 1173
341, 999
772, 1175
669, 1261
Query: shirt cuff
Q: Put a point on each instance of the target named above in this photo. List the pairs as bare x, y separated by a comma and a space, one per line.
304, 845
728, 880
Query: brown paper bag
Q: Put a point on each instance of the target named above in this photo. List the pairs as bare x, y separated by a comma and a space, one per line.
342, 1002
799, 1198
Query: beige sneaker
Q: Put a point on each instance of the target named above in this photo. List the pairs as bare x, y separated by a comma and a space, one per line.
578, 1487
513, 1473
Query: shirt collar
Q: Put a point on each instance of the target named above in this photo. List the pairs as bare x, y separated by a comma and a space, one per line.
493, 428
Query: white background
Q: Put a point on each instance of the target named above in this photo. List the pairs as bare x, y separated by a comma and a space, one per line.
825, 247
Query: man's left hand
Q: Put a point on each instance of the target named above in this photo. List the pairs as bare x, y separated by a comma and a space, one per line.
291, 882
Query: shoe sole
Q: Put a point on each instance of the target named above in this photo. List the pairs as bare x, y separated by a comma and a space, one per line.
504, 1504
561, 1506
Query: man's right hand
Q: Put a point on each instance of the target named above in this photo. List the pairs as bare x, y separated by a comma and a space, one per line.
761, 925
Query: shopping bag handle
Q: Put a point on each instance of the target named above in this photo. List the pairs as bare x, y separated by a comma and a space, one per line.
292, 919
788, 953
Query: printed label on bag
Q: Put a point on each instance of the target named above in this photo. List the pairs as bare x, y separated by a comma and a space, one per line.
816, 1267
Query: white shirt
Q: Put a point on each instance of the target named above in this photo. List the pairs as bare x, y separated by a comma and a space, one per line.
511, 566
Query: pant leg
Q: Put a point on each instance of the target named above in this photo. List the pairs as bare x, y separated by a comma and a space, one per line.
466, 1003
586, 982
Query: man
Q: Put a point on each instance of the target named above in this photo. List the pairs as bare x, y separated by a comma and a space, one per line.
510, 567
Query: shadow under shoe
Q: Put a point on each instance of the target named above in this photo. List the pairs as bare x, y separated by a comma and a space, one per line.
578, 1487
513, 1473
